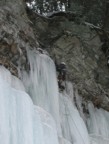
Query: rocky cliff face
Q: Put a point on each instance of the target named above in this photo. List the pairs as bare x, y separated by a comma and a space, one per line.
66, 39
80, 47
15, 36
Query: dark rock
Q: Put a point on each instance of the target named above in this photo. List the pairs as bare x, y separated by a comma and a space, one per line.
79, 46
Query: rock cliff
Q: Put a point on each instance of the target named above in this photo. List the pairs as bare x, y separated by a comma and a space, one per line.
80, 47
66, 39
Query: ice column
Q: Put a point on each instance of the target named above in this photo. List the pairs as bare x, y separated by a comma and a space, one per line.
73, 126
98, 125
41, 84
20, 121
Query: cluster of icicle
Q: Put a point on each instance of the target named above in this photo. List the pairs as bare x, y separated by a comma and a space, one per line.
33, 112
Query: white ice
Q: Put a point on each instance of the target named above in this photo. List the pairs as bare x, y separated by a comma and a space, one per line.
98, 125
63, 141
41, 84
20, 122
49, 126
73, 126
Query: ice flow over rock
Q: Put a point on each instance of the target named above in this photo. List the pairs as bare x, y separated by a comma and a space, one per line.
45, 116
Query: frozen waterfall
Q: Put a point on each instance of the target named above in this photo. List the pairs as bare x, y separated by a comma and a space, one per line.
41, 84
98, 125
45, 116
20, 121
73, 126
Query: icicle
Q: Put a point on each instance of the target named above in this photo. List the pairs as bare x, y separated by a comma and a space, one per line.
73, 127
98, 125
20, 122
42, 85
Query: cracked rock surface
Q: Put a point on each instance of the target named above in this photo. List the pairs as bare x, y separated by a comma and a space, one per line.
79, 47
